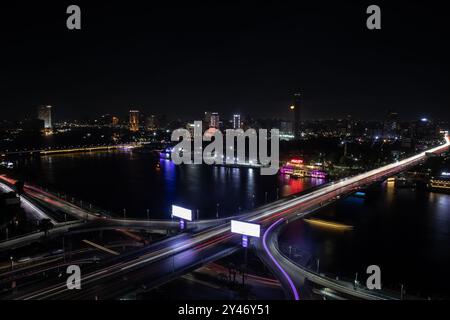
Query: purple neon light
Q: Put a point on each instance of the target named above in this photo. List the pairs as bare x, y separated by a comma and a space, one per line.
291, 283
244, 241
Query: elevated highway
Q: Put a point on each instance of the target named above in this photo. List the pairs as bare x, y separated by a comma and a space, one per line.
158, 262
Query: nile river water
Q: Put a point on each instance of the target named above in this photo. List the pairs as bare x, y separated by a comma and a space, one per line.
406, 232
120, 180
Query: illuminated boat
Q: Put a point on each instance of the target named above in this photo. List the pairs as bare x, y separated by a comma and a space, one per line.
296, 168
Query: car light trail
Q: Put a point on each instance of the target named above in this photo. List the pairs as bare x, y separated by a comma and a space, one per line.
291, 283
221, 233
26, 204
35, 209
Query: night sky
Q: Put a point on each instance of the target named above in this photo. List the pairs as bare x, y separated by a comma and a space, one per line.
182, 58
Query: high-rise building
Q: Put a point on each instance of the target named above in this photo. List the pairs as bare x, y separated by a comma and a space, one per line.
215, 120
207, 118
114, 121
236, 121
296, 108
134, 120
391, 125
45, 114
286, 131
151, 122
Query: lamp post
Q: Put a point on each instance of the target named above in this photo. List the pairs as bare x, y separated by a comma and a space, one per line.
217, 211
64, 248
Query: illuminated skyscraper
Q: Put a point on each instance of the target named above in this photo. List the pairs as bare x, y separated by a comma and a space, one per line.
286, 132
214, 120
236, 121
134, 120
391, 125
297, 123
207, 118
45, 114
114, 121
151, 122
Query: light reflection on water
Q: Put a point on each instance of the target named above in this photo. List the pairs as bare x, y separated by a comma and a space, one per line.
404, 231
116, 180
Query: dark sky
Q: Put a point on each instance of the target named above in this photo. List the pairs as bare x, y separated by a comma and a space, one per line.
181, 58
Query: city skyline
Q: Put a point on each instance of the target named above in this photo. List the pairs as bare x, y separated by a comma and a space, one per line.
254, 64
230, 154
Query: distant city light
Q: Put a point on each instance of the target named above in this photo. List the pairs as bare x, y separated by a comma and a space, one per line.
445, 174
424, 119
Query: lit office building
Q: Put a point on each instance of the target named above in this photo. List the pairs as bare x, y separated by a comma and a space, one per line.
134, 120
45, 114
151, 122
207, 118
391, 126
236, 121
115, 121
296, 108
215, 120
286, 131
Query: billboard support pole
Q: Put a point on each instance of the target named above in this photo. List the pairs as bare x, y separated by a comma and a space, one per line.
245, 243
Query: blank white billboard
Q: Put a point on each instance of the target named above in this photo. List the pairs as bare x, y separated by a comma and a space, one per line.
245, 228
182, 213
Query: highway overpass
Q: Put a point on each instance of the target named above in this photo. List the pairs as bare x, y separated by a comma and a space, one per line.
192, 250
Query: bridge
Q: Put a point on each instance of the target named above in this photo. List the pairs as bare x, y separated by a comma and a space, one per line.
165, 260
43, 152
86, 220
296, 278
